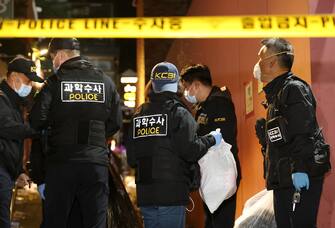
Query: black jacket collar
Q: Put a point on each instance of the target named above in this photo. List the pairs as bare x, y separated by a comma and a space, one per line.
73, 64
273, 87
215, 93
164, 96
14, 98
70, 62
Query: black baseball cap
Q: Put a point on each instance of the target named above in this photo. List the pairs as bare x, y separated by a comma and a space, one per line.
25, 66
63, 43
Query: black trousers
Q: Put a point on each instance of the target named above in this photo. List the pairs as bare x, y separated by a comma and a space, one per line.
6, 187
305, 214
87, 184
224, 216
75, 218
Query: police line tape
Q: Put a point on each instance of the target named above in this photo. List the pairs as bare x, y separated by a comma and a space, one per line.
174, 27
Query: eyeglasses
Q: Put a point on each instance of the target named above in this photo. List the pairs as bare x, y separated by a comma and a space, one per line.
279, 53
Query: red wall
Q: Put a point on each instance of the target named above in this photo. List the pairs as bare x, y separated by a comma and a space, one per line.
323, 83
231, 62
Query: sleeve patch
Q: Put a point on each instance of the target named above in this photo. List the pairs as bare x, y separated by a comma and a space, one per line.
202, 119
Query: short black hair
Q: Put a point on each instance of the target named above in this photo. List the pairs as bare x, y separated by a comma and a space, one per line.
196, 72
278, 45
63, 44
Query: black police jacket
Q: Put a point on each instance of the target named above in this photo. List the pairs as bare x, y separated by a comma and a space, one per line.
290, 144
79, 109
12, 130
162, 142
218, 111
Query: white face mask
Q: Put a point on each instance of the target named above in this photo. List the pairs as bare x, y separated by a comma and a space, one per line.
189, 98
24, 90
257, 72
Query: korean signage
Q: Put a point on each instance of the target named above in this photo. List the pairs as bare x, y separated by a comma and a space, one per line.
82, 92
322, 25
148, 126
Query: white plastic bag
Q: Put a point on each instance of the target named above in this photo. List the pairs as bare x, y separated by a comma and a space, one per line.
258, 212
218, 175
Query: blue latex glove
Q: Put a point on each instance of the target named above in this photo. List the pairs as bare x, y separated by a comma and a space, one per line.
218, 137
40, 190
300, 180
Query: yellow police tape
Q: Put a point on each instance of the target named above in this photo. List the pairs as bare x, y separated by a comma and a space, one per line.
174, 27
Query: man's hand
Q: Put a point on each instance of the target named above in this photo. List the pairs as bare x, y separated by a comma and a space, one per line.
217, 135
22, 180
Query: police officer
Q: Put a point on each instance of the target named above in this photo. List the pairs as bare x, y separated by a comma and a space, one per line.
79, 105
13, 131
215, 109
162, 143
296, 157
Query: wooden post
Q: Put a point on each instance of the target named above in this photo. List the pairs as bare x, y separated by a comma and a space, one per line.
140, 60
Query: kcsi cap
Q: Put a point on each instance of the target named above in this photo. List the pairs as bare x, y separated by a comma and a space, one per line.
164, 77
